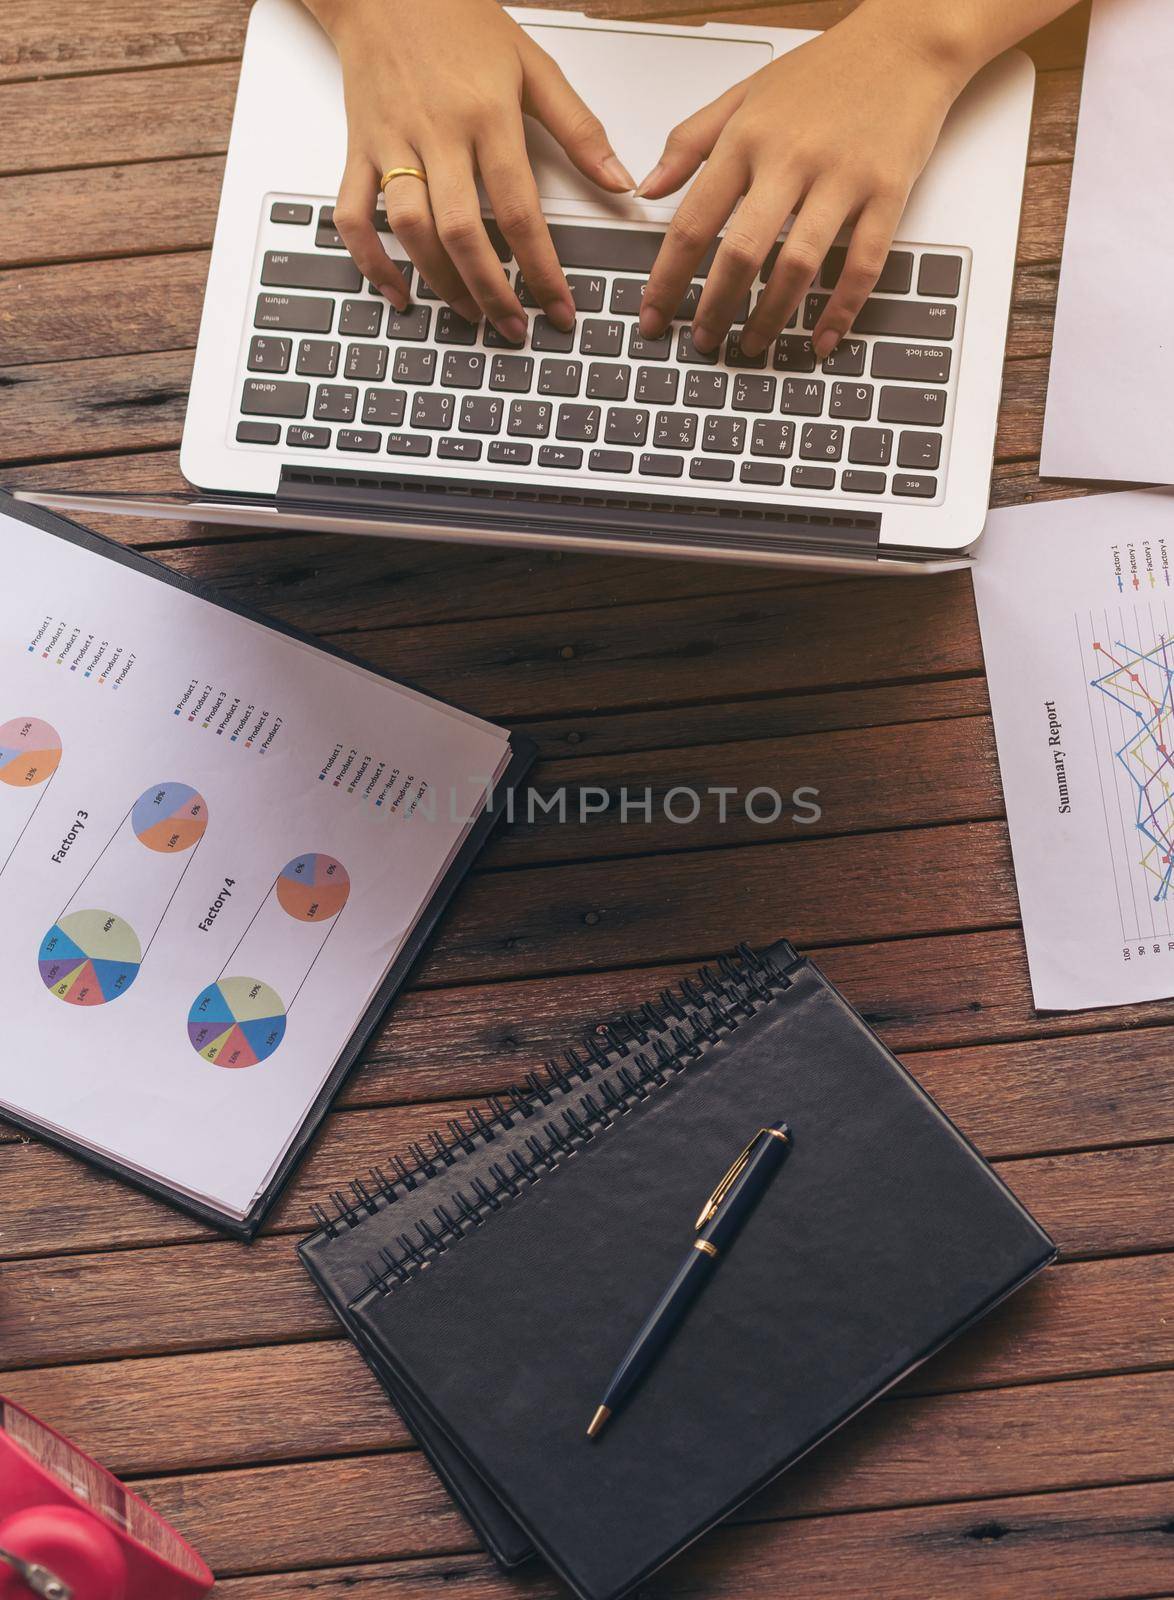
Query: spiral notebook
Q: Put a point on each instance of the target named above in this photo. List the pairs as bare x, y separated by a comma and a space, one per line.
508, 1266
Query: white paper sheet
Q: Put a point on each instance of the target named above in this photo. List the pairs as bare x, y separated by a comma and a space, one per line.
1076, 607
238, 830
1112, 374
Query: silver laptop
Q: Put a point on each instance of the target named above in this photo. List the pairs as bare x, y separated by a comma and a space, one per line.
314, 404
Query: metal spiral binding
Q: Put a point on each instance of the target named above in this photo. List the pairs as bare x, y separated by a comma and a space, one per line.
626, 1062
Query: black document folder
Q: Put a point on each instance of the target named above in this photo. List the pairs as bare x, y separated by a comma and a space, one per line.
508, 1270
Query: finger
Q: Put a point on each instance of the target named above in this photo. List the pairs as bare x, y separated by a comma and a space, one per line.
409, 213
867, 252
354, 219
513, 194
751, 231
812, 234
549, 98
689, 144
459, 223
699, 219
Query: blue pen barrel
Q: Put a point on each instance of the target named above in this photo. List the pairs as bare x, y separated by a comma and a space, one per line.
747, 1189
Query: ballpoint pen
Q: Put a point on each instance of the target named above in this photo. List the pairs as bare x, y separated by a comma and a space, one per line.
721, 1217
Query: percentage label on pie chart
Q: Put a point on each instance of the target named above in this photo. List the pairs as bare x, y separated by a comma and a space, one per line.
313, 888
30, 752
236, 1022
89, 958
170, 818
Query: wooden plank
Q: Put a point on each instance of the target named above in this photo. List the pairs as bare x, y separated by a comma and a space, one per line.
951, 1448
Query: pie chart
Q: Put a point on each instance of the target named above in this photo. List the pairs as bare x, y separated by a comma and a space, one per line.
89, 958
170, 818
313, 888
30, 751
236, 1022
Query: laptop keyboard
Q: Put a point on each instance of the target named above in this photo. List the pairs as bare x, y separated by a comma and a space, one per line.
330, 367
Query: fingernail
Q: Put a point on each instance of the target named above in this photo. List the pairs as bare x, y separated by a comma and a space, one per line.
650, 180
562, 314
618, 173
469, 309
397, 297
651, 323
705, 340
514, 329
826, 342
751, 345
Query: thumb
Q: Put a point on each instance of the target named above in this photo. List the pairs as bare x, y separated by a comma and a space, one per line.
689, 144
549, 98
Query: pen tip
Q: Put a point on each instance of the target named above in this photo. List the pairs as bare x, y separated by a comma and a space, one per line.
597, 1422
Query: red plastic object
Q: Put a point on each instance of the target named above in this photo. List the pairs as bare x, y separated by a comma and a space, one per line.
63, 1512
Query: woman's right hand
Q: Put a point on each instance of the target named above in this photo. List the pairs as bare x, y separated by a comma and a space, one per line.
442, 85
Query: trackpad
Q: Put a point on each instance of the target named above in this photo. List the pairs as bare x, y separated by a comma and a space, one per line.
640, 85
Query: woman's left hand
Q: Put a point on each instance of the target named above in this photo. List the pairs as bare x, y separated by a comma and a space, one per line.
835, 131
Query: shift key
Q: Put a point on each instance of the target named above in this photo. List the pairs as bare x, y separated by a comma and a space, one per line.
294, 313
265, 397
894, 319
285, 269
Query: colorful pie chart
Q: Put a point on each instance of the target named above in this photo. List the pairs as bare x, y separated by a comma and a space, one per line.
89, 958
30, 751
170, 818
236, 1022
313, 888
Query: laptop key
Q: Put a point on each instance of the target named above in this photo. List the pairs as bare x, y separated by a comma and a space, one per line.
715, 471
610, 461
625, 426
896, 274
912, 405
921, 487
735, 358
706, 389
856, 482
302, 438
642, 349
290, 211
802, 397
813, 478
602, 338
772, 438
675, 430
435, 410
272, 397
411, 324
329, 239
409, 444
725, 435
318, 358
657, 385
545, 336
916, 363
414, 366
460, 449
357, 439
454, 329
661, 466
481, 414
282, 269
870, 447
294, 313
336, 402
626, 295
530, 419
793, 353
586, 292
752, 393
384, 406
940, 275
560, 377
819, 442
612, 249
767, 473
514, 373
852, 400
847, 359
368, 362
461, 369
258, 432
606, 381
563, 456
269, 355
507, 454
578, 422
687, 351
894, 319
920, 450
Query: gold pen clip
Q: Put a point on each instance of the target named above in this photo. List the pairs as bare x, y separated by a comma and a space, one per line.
732, 1176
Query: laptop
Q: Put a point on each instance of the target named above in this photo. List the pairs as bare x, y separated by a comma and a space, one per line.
314, 404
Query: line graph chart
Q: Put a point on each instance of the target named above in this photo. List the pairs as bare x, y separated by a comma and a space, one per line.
1128, 657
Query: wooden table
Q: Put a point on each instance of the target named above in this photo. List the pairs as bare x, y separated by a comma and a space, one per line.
1027, 1462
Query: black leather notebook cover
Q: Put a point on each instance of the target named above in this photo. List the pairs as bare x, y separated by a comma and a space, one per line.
884, 1235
